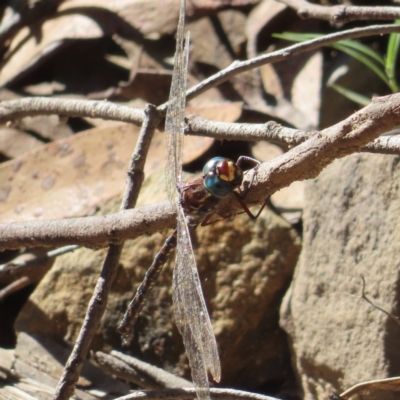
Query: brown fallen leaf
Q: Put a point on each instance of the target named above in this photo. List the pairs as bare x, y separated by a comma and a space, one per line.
307, 87
195, 146
26, 51
14, 142
72, 176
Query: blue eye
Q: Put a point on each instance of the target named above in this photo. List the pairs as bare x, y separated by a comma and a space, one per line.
216, 186
221, 176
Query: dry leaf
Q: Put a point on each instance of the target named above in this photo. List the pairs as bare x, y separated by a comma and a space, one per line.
152, 18
27, 50
258, 19
72, 176
306, 89
14, 142
195, 146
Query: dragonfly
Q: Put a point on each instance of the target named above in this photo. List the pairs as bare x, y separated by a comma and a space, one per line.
195, 202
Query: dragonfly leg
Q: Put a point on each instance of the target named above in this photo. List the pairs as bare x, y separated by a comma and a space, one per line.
136, 305
240, 198
206, 221
249, 160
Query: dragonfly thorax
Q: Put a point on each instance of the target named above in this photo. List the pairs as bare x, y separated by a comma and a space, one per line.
221, 176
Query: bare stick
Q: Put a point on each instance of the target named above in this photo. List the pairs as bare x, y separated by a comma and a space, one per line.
364, 296
190, 394
308, 159
92, 232
302, 162
342, 14
14, 109
238, 67
98, 302
14, 287
277, 134
145, 375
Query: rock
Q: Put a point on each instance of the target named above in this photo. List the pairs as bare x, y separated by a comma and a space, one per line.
351, 230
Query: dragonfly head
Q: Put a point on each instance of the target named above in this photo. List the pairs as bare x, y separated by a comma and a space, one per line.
221, 176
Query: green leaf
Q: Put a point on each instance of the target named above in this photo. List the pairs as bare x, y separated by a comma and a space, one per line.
351, 44
364, 60
391, 58
362, 48
351, 95
358, 51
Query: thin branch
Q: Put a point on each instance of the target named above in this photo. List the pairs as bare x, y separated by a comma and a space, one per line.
364, 297
98, 302
141, 373
305, 161
277, 134
308, 159
16, 109
342, 14
159, 376
392, 384
14, 287
121, 370
24, 261
196, 125
91, 232
190, 394
238, 67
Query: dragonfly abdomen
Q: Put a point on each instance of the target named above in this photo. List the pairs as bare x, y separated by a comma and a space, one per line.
152, 274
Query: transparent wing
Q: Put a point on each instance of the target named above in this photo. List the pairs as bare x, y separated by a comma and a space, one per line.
191, 315
190, 310
174, 123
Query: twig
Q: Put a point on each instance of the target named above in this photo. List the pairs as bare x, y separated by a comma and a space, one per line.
392, 384
121, 370
144, 375
238, 67
342, 14
190, 394
98, 302
16, 109
308, 159
30, 266
196, 125
22, 262
364, 296
162, 378
305, 161
14, 287
61, 251
92, 232
276, 133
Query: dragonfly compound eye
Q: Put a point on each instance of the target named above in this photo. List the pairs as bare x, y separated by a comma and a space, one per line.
221, 176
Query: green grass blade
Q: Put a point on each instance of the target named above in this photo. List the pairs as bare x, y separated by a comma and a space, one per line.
362, 48
351, 95
391, 58
364, 60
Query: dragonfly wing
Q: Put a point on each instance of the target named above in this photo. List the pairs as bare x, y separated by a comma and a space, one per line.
191, 314
174, 122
